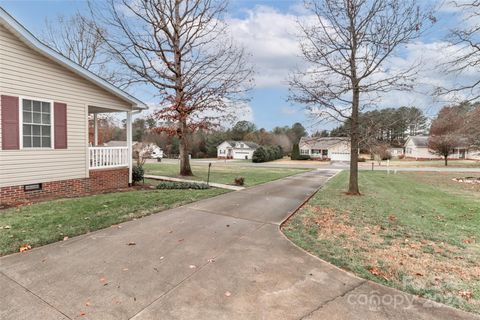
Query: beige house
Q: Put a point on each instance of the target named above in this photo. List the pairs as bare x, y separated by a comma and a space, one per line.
416, 147
45, 103
333, 148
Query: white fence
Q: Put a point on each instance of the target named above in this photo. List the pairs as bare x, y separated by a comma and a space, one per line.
108, 157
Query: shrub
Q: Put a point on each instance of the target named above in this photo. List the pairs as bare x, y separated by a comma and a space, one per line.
259, 155
239, 181
182, 185
295, 152
303, 157
137, 174
267, 153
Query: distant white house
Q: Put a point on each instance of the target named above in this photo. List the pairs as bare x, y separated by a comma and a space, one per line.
333, 148
153, 151
416, 147
396, 152
236, 150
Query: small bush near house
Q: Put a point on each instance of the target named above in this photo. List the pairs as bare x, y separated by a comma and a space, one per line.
303, 157
137, 174
182, 185
239, 181
267, 153
295, 152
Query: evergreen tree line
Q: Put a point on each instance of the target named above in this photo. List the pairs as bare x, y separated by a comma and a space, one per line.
390, 126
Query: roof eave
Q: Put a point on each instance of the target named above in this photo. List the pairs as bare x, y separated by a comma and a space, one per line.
28, 38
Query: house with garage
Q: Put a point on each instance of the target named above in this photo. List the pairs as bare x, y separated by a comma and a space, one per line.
45, 104
416, 147
325, 148
145, 149
241, 150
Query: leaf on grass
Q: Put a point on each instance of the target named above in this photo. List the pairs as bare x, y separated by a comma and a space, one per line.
132, 244
82, 314
192, 266
65, 238
228, 293
25, 247
374, 271
467, 295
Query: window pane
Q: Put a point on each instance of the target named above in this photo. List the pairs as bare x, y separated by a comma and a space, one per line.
46, 142
45, 107
27, 141
36, 143
27, 130
27, 105
37, 117
27, 117
36, 130
45, 118
46, 131
36, 106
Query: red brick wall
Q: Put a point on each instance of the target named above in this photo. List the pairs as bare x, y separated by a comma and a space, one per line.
99, 181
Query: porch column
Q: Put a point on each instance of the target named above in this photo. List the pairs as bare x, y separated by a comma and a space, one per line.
129, 145
95, 130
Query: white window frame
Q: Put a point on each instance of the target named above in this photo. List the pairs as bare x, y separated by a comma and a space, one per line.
20, 124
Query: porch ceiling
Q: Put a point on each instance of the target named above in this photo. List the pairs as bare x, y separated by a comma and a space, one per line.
95, 109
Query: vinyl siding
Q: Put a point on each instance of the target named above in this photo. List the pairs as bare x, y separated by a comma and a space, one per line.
25, 72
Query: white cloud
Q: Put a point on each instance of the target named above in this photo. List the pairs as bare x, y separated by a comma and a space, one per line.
269, 36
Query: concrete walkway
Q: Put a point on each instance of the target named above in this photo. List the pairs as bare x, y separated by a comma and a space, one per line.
221, 258
212, 184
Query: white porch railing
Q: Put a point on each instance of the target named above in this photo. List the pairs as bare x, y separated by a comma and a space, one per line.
108, 157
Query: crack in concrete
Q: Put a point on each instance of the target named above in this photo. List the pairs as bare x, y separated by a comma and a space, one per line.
35, 295
233, 217
323, 304
221, 253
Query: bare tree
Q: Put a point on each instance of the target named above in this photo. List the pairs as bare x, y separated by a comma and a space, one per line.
347, 49
465, 50
183, 50
446, 131
77, 38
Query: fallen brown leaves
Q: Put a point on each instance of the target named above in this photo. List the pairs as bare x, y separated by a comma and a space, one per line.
431, 265
25, 247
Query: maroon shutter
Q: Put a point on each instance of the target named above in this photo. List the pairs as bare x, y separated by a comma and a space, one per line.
10, 123
60, 125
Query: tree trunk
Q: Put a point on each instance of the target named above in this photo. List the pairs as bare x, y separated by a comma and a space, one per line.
446, 160
354, 139
185, 169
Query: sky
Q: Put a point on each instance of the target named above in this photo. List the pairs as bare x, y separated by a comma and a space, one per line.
267, 30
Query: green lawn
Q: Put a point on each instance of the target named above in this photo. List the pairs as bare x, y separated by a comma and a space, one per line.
224, 173
418, 232
51, 221
433, 163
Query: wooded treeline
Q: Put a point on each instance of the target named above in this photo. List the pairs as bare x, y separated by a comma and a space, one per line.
389, 126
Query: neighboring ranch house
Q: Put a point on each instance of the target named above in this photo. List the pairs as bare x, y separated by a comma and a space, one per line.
236, 150
146, 148
416, 147
45, 102
324, 148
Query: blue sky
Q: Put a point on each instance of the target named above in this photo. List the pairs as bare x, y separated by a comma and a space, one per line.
266, 29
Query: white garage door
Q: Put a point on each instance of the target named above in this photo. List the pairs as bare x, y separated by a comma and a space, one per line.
340, 156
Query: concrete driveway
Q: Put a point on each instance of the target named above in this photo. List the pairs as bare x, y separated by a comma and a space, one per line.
221, 258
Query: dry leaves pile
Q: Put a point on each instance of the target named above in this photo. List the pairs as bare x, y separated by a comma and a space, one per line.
440, 266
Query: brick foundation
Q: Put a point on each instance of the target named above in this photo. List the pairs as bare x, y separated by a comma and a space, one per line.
99, 181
